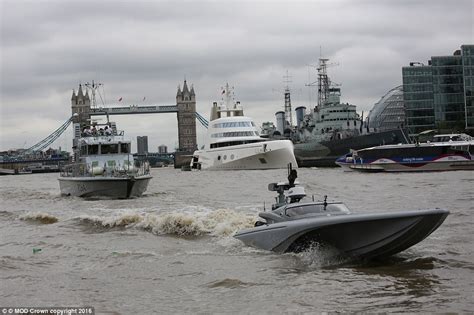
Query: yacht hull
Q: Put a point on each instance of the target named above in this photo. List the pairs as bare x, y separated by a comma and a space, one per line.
121, 188
256, 156
357, 235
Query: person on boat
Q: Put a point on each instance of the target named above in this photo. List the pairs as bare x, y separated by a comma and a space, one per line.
94, 131
108, 131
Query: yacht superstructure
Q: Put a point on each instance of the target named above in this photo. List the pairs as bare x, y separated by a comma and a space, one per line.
233, 142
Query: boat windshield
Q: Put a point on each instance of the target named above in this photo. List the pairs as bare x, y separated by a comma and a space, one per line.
311, 208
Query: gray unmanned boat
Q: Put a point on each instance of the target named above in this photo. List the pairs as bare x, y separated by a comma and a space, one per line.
294, 226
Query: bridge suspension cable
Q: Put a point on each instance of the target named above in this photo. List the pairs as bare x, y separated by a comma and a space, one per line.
204, 122
49, 139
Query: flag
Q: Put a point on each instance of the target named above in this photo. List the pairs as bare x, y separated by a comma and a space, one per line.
120, 99
223, 91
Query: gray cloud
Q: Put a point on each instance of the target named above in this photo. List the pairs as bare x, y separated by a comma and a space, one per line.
146, 48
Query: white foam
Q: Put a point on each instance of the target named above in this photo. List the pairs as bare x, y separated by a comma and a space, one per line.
221, 223
42, 217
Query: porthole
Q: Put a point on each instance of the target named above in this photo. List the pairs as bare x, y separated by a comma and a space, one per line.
232, 157
225, 157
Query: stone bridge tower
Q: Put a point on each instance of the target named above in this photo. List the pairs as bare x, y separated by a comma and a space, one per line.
81, 105
186, 103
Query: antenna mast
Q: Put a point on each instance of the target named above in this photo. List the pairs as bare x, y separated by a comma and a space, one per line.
288, 115
323, 82
93, 87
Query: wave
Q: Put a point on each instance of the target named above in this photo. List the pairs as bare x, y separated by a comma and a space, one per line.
41, 217
222, 222
229, 284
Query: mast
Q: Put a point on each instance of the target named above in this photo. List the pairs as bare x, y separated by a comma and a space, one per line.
323, 82
288, 115
93, 87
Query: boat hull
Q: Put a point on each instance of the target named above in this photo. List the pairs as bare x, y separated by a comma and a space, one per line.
447, 163
121, 188
356, 235
325, 153
257, 156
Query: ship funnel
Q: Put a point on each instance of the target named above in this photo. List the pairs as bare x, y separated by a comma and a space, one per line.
280, 119
300, 112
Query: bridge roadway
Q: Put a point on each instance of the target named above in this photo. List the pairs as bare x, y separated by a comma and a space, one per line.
134, 109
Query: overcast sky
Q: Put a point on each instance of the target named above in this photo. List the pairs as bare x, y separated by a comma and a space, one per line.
143, 49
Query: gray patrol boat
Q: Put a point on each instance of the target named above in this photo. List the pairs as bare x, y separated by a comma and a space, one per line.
104, 166
294, 226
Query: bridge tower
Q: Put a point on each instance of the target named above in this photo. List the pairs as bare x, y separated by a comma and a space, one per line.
186, 103
81, 104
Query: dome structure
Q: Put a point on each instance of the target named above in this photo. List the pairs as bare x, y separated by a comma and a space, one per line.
389, 112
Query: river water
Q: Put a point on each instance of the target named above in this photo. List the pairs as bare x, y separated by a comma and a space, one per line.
172, 250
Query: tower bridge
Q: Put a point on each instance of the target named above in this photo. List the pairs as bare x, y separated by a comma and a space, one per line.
134, 109
84, 106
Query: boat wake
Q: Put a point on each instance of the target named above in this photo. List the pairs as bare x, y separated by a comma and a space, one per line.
39, 217
222, 222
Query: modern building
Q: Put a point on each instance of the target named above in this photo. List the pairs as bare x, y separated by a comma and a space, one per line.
389, 112
467, 53
418, 97
162, 149
440, 95
142, 145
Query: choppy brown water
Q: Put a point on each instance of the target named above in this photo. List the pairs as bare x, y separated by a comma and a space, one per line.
172, 250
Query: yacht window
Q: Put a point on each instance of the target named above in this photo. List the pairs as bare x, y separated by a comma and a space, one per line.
234, 134
230, 143
109, 149
93, 149
124, 148
234, 124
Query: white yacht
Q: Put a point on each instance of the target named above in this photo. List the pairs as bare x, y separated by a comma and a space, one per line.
234, 143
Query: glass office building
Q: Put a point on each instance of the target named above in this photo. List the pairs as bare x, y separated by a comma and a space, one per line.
467, 52
389, 112
440, 95
418, 97
448, 92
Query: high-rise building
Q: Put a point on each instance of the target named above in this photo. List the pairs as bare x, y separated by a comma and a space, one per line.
162, 149
142, 145
467, 53
448, 92
418, 97
440, 95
